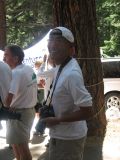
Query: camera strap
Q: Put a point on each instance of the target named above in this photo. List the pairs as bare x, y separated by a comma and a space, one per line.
57, 77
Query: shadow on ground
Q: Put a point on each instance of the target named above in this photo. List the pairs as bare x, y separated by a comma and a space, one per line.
95, 148
6, 154
93, 151
44, 156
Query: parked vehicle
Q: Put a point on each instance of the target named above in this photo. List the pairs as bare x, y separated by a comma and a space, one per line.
111, 74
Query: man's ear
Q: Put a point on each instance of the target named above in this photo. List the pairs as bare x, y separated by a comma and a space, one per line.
16, 60
72, 51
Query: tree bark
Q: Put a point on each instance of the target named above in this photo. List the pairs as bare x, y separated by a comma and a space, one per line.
80, 17
2, 24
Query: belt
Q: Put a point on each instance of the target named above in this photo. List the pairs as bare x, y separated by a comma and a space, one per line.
53, 141
23, 108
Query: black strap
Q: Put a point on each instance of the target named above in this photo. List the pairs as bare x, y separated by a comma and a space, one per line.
57, 77
1, 103
48, 93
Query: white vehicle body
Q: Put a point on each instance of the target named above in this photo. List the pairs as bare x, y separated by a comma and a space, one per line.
111, 85
111, 70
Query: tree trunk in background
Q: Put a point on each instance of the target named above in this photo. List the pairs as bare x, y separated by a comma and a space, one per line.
80, 17
2, 24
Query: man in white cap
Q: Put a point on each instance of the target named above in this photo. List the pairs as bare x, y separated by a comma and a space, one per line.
71, 101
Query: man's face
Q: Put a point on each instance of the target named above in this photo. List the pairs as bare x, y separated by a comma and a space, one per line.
9, 58
58, 49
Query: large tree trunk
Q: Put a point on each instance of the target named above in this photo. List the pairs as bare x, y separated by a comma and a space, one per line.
2, 24
80, 17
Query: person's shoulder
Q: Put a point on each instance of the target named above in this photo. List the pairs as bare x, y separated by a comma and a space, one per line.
75, 63
27, 67
18, 71
24, 68
73, 74
1, 63
73, 66
4, 66
73, 70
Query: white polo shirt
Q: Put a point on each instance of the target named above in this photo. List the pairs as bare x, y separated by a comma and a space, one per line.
5, 79
24, 87
70, 93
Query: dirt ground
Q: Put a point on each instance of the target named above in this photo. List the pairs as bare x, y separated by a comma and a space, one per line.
109, 150
113, 129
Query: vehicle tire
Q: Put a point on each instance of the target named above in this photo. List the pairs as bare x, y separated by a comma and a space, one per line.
112, 100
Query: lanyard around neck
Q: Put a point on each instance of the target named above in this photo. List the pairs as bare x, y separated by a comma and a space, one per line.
56, 80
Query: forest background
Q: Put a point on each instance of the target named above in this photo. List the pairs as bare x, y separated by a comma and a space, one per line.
28, 21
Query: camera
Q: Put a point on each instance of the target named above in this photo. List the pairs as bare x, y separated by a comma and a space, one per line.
47, 111
37, 107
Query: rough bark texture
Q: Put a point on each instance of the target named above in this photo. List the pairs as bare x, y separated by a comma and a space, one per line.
80, 17
2, 24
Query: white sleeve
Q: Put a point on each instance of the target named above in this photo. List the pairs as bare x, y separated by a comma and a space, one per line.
41, 68
15, 83
75, 86
46, 74
1, 95
5, 79
2, 79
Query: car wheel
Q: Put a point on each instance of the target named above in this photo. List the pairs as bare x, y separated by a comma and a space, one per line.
112, 100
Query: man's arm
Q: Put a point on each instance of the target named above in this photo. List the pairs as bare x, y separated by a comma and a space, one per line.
8, 99
14, 88
48, 73
85, 113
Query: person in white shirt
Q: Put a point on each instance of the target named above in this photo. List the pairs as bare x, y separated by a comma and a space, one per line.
5, 80
46, 72
71, 101
22, 98
47, 75
37, 66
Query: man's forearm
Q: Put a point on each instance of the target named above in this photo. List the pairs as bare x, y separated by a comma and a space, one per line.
84, 113
8, 99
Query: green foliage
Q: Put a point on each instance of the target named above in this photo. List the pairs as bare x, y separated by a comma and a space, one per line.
108, 12
27, 21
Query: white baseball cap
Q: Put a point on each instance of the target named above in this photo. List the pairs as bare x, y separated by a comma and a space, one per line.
66, 33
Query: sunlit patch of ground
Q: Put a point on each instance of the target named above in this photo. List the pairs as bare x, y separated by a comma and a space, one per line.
37, 144
111, 145
110, 149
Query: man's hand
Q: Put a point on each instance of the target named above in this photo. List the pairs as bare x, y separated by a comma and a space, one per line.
41, 83
85, 113
51, 121
8, 99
